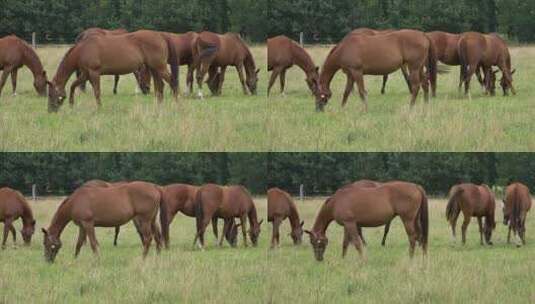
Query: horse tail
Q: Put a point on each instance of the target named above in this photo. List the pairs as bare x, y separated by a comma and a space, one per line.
173, 61
164, 218
199, 212
453, 208
516, 210
423, 219
206, 48
432, 60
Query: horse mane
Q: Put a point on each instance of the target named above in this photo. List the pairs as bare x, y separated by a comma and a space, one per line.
29, 52
64, 59
248, 56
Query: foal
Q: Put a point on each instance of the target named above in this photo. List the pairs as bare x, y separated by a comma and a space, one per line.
281, 206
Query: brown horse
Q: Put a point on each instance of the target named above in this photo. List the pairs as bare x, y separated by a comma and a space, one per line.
283, 53
281, 206
359, 55
91, 207
115, 55
473, 201
143, 85
372, 32
180, 197
485, 51
226, 202
368, 207
516, 206
12, 206
15, 53
214, 51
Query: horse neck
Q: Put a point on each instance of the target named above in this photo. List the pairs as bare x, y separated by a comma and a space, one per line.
27, 214
294, 217
330, 67
66, 68
324, 218
31, 60
250, 66
253, 218
60, 220
302, 59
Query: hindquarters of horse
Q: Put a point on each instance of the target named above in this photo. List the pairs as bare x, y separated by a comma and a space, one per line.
10, 203
278, 204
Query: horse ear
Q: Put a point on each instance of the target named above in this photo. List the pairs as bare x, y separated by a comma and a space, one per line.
33, 223
49, 83
513, 72
302, 223
45, 232
261, 221
257, 71
309, 233
317, 69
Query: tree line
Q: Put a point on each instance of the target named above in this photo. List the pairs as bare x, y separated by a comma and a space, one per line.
320, 173
325, 21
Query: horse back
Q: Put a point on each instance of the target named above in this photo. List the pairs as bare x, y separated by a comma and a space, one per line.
279, 51
180, 197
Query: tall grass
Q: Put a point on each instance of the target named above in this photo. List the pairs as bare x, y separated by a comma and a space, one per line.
450, 274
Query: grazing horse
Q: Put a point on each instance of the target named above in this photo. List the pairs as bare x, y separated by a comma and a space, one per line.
367, 207
359, 55
485, 51
142, 82
281, 206
12, 206
14, 53
213, 51
226, 202
516, 206
473, 201
372, 32
90, 207
180, 197
283, 53
115, 55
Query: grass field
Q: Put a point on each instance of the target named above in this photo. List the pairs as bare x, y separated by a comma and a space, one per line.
450, 274
133, 122
233, 122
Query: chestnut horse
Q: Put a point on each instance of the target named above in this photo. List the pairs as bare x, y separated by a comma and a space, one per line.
359, 55
283, 53
12, 206
115, 55
91, 207
516, 206
485, 51
143, 85
367, 207
15, 53
473, 201
212, 51
226, 202
372, 32
281, 206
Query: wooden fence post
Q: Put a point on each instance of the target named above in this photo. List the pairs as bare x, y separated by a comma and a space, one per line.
34, 192
301, 192
302, 39
34, 41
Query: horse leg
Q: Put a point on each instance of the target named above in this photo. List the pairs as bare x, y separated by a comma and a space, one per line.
14, 80
410, 229
425, 85
406, 77
283, 80
461, 78
509, 235
146, 231
167, 77
94, 78
468, 78
14, 233
387, 228
200, 232
243, 221
354, 238
345, 243
415, 81
274, 74
239, 69
480, 223
359, 230
359, 79
90, 231
117, 230
226, 227
189, 79
214, 227
275, 235
83, 84
482, 81
222, 72
81, 240
7, 228
523, 231
158, 87
201, 72
115, 84
383, 88
349, 88
466, 222
3, 79
78, 82
157, 235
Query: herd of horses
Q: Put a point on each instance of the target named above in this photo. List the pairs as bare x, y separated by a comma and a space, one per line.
362, 204
147, 54
144, 53
366, 51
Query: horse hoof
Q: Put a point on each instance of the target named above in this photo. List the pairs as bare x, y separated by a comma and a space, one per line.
14, 94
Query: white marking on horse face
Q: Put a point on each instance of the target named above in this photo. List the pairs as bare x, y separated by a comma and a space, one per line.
322, 96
